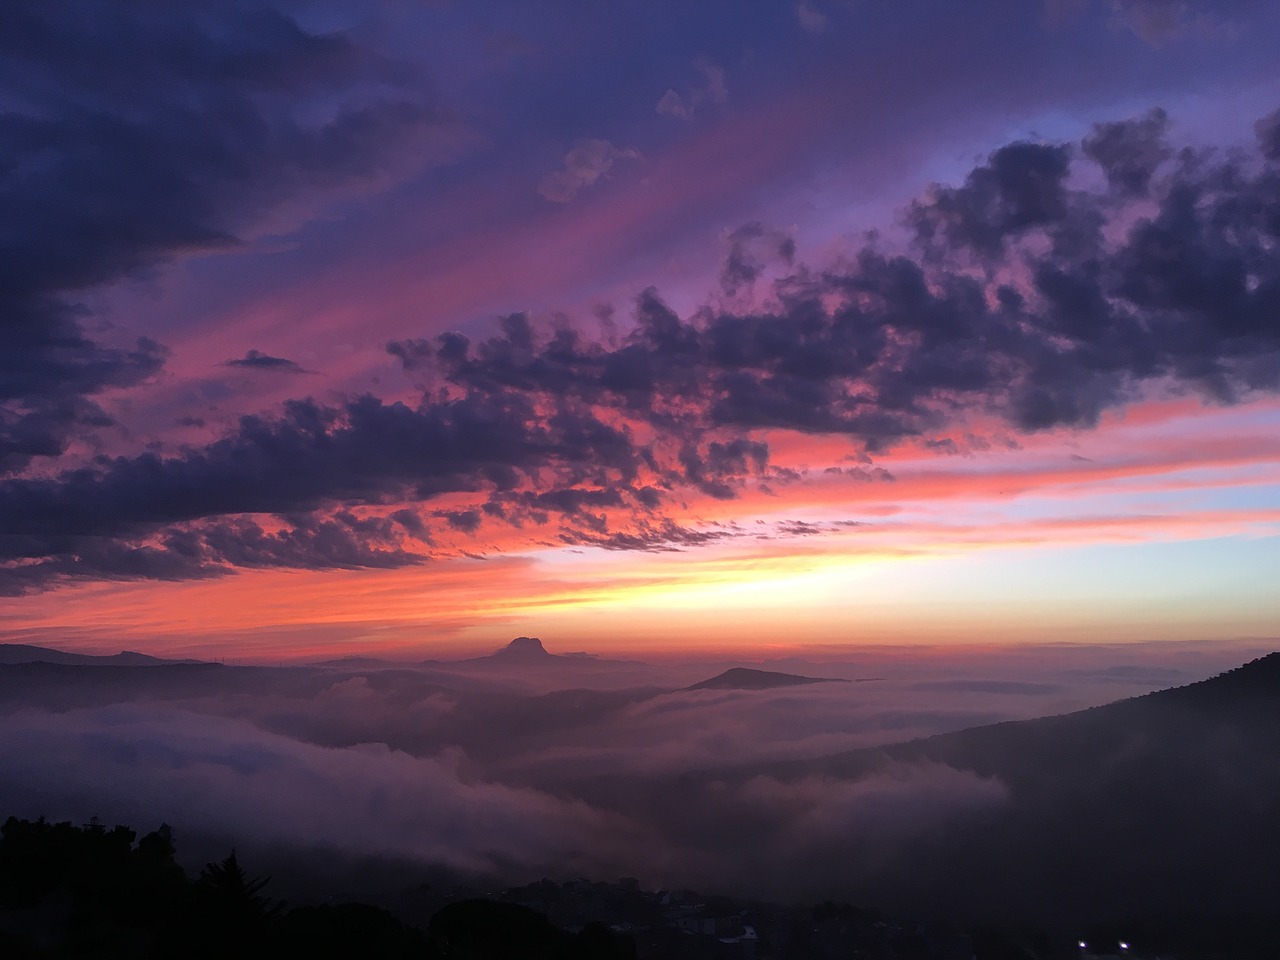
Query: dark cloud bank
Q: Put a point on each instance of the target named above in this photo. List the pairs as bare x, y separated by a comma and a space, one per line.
1028, 297
134, 136
257, 360
1154, 807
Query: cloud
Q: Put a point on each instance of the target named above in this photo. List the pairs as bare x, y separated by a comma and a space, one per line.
587, 162
573, 768
1014, 687
468, 773
713, 90
1268, 130
152, 516
671, 733
892, 346
257, 360
1129, 151
885, 807
1025, 297
751, 247
1022, 186
910, 342
157, 134
1158, 22
224, 776
810, 17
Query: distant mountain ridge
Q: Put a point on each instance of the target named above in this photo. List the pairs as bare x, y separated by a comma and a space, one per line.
13, 653
745, 678
529, 652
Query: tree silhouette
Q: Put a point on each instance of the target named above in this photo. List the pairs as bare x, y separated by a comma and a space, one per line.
230, 916
231, 887
92, 892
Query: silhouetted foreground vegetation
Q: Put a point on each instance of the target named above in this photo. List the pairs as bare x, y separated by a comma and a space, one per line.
93, 892
89, 891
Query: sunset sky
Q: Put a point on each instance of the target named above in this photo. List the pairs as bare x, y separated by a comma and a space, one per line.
404, 328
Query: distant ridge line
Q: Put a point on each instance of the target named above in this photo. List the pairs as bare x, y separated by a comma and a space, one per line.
17, 653
746, 678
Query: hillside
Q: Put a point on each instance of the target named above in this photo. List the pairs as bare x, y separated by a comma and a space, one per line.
1157, 809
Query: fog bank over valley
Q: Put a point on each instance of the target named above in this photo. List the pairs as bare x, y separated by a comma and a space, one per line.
766, 781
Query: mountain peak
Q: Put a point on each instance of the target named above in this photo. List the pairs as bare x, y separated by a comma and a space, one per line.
523, 648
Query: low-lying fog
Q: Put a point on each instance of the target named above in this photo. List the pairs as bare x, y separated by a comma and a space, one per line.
516, 767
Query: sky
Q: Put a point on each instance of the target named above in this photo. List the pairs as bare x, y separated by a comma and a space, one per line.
404, 328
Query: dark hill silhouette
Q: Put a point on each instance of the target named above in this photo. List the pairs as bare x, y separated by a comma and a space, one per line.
27, 653
1160, 809
1255, 683
1242, 705
745, 678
